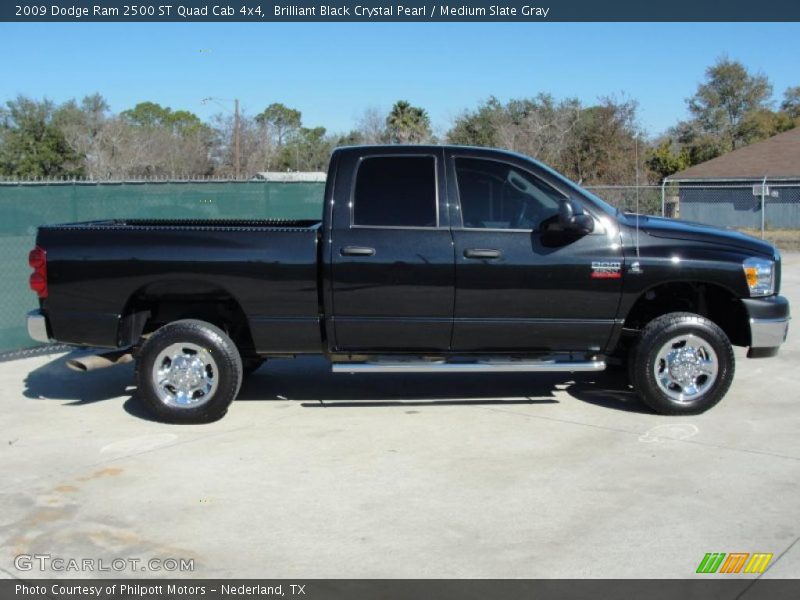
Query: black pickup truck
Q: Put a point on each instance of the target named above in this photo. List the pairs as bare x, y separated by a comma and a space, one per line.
433, 259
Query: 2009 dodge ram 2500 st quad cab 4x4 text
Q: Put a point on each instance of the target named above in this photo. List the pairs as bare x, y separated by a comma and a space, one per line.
433, 259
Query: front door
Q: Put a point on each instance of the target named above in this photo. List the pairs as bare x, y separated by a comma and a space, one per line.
392, 257
518, 288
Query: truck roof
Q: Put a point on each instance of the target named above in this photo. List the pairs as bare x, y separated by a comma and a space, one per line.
428, 148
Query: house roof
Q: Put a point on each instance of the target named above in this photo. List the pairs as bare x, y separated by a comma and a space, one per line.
292, 176
775, 157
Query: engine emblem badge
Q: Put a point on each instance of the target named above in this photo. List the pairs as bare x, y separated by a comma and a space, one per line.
606, 269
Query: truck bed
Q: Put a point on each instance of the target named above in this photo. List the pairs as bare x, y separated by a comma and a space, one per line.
100, 273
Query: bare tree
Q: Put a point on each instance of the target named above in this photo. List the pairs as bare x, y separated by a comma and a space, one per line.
371, 126
257, 146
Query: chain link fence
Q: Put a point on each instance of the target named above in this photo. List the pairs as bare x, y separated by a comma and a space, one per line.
767, 209
759, 208
642, 199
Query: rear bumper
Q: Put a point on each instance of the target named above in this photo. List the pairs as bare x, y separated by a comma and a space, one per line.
769, 325
37, 326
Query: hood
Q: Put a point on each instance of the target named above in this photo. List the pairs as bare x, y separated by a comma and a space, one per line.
698, 232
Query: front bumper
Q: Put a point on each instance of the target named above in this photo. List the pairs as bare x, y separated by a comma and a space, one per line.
769, 325
37, 326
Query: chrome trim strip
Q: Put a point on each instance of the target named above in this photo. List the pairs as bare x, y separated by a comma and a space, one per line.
768, 333
37, 326
469, 367
600, 229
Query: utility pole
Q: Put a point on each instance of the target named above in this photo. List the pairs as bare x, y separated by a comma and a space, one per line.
236, 137
236, 130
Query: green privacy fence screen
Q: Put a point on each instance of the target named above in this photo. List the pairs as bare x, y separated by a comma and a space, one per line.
25, 206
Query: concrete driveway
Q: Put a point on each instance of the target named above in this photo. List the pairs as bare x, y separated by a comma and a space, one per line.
317, 475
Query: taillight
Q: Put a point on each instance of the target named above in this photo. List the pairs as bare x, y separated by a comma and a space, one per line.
37, 259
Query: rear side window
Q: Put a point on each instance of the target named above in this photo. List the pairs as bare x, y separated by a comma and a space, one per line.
396, 191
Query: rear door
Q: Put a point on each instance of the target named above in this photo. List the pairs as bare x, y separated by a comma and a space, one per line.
392, 253
519, 288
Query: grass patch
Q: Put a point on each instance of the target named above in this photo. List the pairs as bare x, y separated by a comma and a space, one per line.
784, 239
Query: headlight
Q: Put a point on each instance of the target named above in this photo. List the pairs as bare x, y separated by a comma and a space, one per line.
760, 275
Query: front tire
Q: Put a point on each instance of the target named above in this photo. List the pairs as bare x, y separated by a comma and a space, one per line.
188, 371
683, 364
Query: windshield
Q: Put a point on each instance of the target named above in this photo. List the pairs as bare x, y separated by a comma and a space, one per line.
595, 199
602, 204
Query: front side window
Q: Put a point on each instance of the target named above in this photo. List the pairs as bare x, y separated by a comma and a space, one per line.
396, 191
497, 195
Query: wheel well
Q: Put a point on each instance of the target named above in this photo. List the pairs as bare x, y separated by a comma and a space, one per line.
708, 300
158, 304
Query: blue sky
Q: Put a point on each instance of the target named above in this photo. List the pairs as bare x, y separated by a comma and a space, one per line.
332, 72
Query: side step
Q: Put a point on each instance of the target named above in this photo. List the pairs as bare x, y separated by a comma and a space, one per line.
485, 366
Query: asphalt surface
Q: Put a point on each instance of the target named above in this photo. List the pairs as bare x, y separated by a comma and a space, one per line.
318, 475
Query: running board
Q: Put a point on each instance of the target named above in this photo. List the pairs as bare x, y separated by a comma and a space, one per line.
510, 366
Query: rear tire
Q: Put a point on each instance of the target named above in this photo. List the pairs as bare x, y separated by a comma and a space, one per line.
683, 364
188, 371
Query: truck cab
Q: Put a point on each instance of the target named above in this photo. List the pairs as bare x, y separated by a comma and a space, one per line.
462, 250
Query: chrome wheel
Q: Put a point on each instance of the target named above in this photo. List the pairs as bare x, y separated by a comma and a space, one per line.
185, 375
686, 367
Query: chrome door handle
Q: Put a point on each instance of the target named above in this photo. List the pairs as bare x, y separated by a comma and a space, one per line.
482, 253
357, 251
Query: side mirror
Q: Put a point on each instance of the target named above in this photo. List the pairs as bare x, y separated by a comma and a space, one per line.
572, 218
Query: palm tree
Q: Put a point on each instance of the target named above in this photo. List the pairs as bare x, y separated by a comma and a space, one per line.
408, 124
